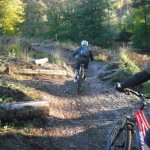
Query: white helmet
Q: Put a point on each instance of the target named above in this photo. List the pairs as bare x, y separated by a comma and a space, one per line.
84, 43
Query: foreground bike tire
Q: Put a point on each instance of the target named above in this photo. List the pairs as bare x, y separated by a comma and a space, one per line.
119, 137
138, 143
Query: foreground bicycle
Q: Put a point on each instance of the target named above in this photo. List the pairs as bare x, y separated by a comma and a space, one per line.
121, 134
80, 78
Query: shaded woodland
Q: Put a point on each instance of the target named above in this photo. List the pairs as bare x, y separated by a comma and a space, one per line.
101, 22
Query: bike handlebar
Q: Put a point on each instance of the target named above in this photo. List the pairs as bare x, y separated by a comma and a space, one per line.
128, 91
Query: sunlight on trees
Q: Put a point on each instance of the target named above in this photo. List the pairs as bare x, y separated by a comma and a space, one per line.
100, 22
35, 18
12, 14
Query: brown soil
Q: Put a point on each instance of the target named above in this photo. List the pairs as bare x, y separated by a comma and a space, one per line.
76, 122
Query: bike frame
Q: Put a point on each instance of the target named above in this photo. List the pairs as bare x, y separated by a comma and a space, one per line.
136, 123
142, 124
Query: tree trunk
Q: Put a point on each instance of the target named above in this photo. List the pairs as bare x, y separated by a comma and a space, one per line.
29, 110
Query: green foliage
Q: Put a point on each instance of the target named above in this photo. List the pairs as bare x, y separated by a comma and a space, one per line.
35, 19
101, 58
14, 50
96, 21
140, 39
6, 100
40, 54
92, 20
126, 64
144, 88
28, 125
140, 26
56, 57
11, 15
62, 20
55, 19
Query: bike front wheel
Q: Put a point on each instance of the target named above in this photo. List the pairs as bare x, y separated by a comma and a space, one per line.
119, 137
136, 143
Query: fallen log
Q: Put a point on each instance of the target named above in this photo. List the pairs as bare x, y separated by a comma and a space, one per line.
41, 61
41, 71
28, 110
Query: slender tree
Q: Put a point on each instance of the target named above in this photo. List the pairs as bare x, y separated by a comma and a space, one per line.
140, 24
35, 18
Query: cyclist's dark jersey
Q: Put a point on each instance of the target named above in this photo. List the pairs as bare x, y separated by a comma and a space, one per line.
77, 52
147, 138
147, 69
82, 59
136, 79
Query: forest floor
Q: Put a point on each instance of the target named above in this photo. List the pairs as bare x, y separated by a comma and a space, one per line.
75, 122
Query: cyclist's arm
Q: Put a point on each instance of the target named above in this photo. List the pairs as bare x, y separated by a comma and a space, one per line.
76, 52
147, 69
136, 79
147, 140
91, 56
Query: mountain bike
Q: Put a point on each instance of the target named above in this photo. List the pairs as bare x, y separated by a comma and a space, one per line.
80, 78
120, 137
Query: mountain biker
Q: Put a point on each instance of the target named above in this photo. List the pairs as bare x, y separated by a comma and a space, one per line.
83, 53
133, 81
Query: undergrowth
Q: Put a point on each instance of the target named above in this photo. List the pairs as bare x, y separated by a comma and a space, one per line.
56, 57
129, 64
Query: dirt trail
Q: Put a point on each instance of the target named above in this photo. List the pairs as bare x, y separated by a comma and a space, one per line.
81, 122
76, 122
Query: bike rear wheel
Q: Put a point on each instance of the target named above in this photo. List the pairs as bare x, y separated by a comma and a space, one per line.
119, 137
80, 79
79, 85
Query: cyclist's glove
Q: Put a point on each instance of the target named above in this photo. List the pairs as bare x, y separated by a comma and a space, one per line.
119, 88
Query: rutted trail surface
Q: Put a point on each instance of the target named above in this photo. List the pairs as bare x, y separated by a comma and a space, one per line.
82, 122
75, 122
